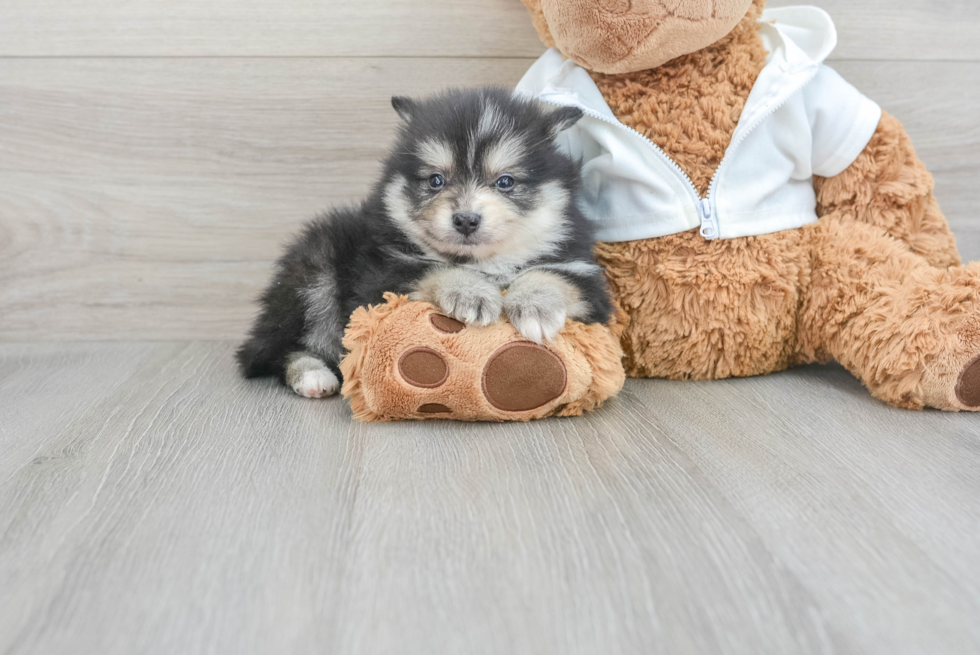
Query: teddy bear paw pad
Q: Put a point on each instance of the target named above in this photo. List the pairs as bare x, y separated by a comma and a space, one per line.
433, 408
968, 386
423, 367
522, 376
446, 324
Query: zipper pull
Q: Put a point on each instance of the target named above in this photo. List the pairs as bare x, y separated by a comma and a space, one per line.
709, 224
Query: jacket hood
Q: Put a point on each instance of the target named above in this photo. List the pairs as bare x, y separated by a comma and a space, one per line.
797, 37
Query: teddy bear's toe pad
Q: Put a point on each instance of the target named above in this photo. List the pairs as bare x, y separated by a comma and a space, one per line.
968, 386
433, 408
446, 324
423, 367
521, 376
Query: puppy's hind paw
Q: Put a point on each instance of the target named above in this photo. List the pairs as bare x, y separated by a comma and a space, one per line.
309, 377
317, 384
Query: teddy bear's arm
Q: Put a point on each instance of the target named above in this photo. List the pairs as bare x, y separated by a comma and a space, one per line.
889, 187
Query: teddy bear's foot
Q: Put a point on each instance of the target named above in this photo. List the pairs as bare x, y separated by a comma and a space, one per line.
952, 385
968, 385
951, 377
408, 360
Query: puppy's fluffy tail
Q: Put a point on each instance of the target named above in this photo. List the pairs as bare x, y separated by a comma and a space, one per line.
276, 332
254, 361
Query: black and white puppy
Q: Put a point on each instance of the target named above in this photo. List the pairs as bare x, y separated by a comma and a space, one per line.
475, 199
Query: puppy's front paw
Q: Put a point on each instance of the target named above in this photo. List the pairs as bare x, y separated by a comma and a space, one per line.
463, 294
538, 313
479, 304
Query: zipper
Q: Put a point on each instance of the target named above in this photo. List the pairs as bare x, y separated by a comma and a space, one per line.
713, 184
710, 228
709, 224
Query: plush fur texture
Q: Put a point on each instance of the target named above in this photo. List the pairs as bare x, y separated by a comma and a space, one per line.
691, 106
618, 36
875, 284
379, 337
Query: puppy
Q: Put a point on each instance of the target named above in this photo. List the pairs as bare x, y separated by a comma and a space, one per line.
475, 199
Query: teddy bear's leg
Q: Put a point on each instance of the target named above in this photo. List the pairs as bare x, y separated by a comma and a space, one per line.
408, 360
889, 187
707, 309
908, 330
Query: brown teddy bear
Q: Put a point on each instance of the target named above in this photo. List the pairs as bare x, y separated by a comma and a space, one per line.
754, 211
872, 279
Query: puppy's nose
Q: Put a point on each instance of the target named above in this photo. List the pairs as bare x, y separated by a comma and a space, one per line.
466, 224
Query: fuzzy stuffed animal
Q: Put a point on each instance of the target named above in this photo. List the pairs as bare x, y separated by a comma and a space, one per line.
407, 360
755, 211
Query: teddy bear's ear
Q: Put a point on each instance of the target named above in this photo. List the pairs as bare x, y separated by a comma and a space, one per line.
404, 106
562, 119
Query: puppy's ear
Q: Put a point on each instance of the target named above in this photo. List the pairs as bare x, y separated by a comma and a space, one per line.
563, 118
404, 106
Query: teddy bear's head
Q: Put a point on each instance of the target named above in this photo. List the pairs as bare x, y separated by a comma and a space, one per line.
623, 36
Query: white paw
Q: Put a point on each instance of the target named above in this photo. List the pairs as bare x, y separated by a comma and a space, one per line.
316, 383
538, 313
477, 305
309, 376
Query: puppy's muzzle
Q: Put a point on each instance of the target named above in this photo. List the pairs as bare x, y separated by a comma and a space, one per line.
466, 223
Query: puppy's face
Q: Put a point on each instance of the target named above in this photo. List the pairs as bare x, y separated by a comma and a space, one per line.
477, 176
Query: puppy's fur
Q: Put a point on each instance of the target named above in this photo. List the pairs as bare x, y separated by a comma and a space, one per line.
474, 199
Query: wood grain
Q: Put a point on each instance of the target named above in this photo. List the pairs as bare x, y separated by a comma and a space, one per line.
153, 158
256, 28
872, 29
153, 502
148, 198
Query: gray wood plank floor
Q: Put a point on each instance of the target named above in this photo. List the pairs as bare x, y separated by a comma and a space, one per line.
154, 156
153, 502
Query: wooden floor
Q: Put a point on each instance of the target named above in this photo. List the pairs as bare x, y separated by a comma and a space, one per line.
152, 502
153, 158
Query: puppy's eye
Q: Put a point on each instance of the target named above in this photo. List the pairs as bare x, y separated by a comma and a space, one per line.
436, 181
504, 183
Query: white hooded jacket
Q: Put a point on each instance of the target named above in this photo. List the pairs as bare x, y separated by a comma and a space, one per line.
801, 119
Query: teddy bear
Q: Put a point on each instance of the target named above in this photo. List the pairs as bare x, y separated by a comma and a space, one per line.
754, 212
737, 100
